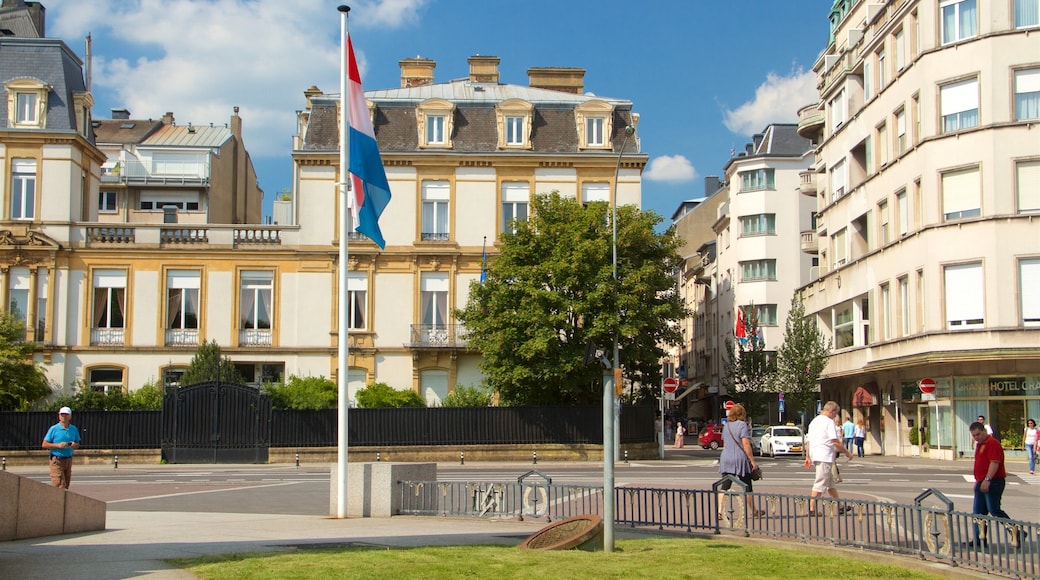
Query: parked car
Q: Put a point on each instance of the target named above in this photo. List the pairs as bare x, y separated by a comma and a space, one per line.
782, 440
710, 437
756, 439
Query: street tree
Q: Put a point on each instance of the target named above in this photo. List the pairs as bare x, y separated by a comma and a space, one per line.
748, 367
801, 360
551, 290
209, 365
22, 382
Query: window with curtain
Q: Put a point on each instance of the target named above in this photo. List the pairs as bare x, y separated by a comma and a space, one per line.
255, 298
1027, 94
594, 127
357, 300
1027, 185
433, 299
182, 299
435, 195
964, 296
27, 108
959, 105
109, 298
514, 130
961, 194
1027, 13
23, 189
765, 314
958, 20
763, 224
435, 129
844, 326
1028, 282
515, 199
757, 179
758, 270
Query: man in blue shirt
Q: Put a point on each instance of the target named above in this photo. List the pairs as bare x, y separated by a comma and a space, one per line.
848, 431
62, 440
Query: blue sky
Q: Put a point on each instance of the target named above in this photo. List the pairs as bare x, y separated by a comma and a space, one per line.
704, 75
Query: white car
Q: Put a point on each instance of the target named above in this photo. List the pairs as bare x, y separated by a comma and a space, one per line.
783, 440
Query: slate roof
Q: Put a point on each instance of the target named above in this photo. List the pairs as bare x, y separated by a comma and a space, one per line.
475, 126
50, 61
18, 21
124, 131
782, 139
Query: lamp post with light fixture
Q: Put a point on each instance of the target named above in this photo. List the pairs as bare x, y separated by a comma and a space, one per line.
612, 378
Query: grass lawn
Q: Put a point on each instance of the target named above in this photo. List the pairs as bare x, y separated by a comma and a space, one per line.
657, 558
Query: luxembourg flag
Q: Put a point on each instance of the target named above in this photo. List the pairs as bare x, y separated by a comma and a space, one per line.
741, 330
370, 190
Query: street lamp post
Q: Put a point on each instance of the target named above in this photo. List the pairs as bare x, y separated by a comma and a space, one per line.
612, 378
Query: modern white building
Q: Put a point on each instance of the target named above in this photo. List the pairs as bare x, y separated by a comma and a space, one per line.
927, 188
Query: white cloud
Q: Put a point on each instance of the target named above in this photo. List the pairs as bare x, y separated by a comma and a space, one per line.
674, 168
201, 59
777, 100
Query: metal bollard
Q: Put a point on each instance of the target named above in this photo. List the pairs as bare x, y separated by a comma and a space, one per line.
462, 458
115, 464
378, 457
534, 457
626, 455
4, 464
297, 461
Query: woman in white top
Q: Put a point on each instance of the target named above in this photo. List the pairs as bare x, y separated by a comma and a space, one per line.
1032, 444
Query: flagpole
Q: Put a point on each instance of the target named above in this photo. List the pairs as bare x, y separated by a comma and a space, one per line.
344, 331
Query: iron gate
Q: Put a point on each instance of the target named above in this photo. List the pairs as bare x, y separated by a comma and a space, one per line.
216, 422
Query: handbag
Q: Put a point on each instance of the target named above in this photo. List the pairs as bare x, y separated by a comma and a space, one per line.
756, 473
835, 472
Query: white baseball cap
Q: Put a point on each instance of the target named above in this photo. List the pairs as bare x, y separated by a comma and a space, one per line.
64, 411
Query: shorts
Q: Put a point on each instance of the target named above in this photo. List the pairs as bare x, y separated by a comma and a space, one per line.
824, 480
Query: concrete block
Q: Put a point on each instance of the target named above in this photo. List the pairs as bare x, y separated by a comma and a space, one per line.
372, 490
41, 509
83, 514
8, 505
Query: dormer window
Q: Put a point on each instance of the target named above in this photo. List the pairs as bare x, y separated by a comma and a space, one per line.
594, 121
434, 118
27, 103
514, 118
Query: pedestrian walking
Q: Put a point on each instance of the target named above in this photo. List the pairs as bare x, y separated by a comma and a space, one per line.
858, 436
989, 475
848, 429
1031, 443
680, 434
738, 457
62, 440
823, 444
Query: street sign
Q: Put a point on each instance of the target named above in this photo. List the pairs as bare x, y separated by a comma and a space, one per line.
927, 386
781, 403
729, 405
670, 385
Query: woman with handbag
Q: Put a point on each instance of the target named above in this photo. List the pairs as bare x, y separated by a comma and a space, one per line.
737, 457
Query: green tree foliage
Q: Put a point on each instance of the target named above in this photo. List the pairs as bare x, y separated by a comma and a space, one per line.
22, 381
747, 369
377, 395
800, 361
467, 396
148, 397
303, 393
208, 365
551, 289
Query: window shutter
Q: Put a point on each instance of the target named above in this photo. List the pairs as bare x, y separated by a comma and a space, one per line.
964, 306
1028, 184
960, 190
957, 97
1029, 281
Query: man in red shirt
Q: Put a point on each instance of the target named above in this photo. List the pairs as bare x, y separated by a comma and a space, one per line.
989, 476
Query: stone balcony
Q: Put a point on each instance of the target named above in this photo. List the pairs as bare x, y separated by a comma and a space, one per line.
810, 121
807, 182
809, 244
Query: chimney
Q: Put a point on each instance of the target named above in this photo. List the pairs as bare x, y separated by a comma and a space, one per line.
749, 149
712, 183
311, 93
167, 119
757, 140
567, 80
416, 72
120, 114
236, 124
483, 69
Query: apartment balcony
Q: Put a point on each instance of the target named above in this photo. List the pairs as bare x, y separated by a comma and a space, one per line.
254, 337
807, 182
809, 244
237, 237
187, 337
107, 336
168, 172
438, 336
810, 121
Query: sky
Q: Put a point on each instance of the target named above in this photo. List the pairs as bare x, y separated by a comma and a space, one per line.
704, 75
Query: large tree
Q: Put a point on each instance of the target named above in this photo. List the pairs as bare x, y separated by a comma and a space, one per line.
209, 365
800, 360
551, 290
22, 381
748, 368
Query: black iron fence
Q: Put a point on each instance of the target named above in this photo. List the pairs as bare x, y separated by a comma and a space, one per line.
403, 427
929, 528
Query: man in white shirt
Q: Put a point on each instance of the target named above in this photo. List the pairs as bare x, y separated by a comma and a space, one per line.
822, 445
982, 419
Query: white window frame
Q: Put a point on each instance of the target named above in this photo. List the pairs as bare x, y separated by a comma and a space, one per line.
27, 107
1027, 186
23, 189
758, 179
595, 129
595, 191
868, 82
515, 131
435, 211
435, 129
843, 321
961, 191
903, 207
108, 202
839, 111
260, 284
886, 312
904, 306
183, 295
516, 199
434, 310
955, 8
1027, 94
839, 178
1027, 13
1028, 282
357, 300
97, 384
899, 41
882, 77
959, 105
884, 220
108, 314
840, 245
965, 296
901, 143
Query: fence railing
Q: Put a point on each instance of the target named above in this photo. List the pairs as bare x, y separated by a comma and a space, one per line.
929, 528
367, 427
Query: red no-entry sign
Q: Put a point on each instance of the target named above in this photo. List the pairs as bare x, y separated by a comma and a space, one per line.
670, 385
729, 405
927, 385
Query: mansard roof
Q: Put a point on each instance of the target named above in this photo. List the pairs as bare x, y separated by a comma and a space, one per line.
53, 63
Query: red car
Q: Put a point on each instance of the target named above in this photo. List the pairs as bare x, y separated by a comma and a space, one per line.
710, 437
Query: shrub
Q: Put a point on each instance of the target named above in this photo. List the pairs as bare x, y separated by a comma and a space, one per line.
377, 395
468, 396
303, 393
147, 398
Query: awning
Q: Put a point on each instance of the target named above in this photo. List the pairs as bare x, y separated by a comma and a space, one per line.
865, 396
